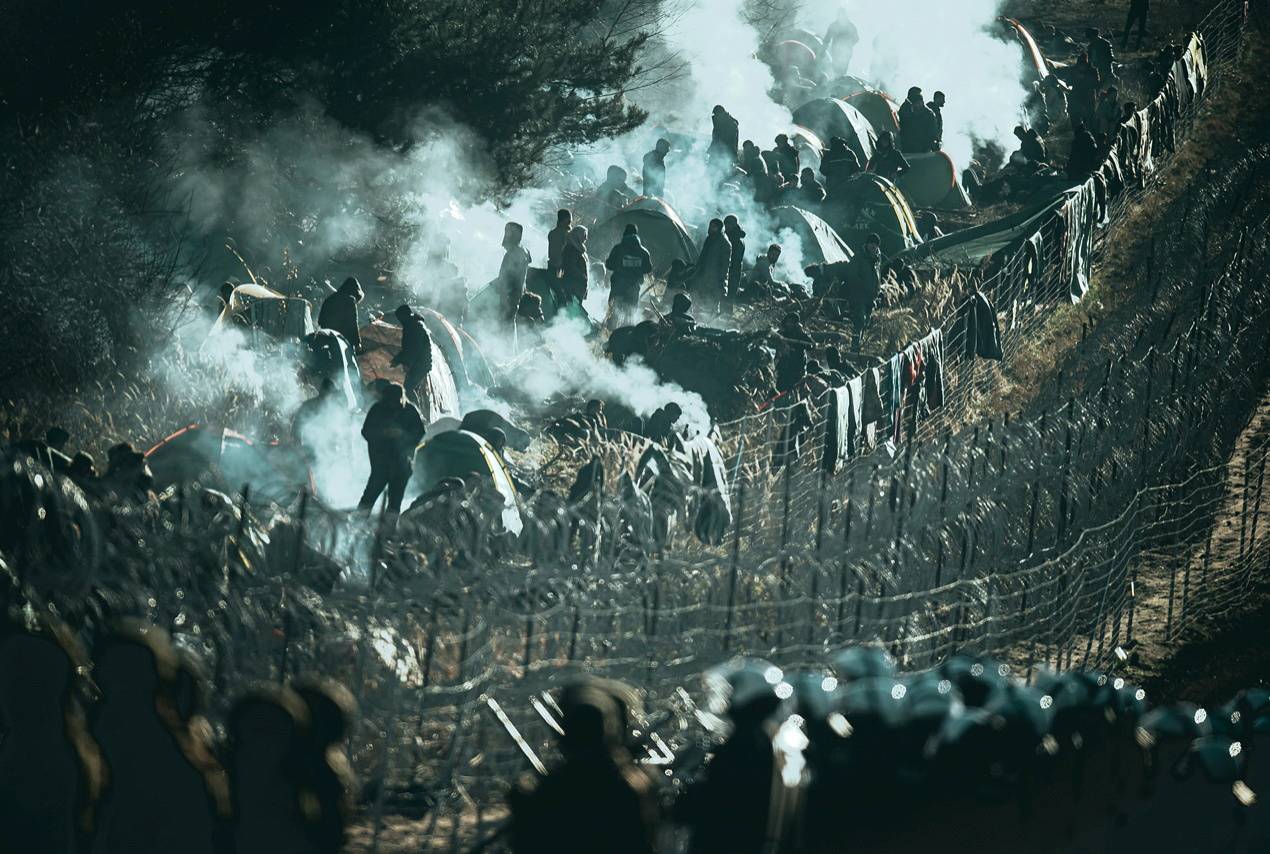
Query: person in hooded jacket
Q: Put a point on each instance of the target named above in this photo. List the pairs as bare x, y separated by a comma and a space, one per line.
839, 166
862, 285
655, 169
557, 238
575, 265
725, 139
415, 355
917, 124
713, 264
786, 157
887, 160
339, 312
392, 430
513, 270
628, 263
736, 236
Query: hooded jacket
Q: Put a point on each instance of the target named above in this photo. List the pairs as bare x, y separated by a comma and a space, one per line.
339, 312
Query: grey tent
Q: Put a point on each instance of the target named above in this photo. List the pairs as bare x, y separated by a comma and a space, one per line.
968, 247
830, 117
661, 231
820, 243
931, 182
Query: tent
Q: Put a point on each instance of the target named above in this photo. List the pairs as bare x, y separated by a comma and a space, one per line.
195, 451
811, 148
329, 356
931, 182
876, 206
465, 455
830, 117
381, 342
259, 308
878, 108
1037, 67
821, 244
467, 362
968, 247
661, 230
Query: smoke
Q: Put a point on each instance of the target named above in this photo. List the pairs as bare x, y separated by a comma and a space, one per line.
947, 46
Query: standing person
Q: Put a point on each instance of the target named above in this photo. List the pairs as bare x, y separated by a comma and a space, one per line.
1101, 54
655, 169
415, 355
575, 266
863, 284
392, 430
512, 272
725, 138
887, 160
339, 312
1139, 11
810, 191
787, 159
1108, 116
711, 282
736, 236
751, 158
936, 106
839, 166
1083, 101
840, 40
556, 240
1084, 155
917, 123
628, 263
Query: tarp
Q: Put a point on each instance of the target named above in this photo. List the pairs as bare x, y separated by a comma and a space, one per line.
966, 248
932, 183
258, 307
830, 117
381, 342
820, 243
461, 454
661, 231
878, 108
1037, 67
876, 206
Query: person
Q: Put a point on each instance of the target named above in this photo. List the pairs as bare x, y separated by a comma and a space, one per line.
811, 193
655, 169
615, 192
841, 39
1084, 155
224, 295
156, 800
1108, 116
791, 364
764, 265
787, 158
308, 413
928, 225
596, 799
1101, 54
862, 284
327, 771
887, 160
628, 263
736, 237
50, 768
725, 138
839, 166
766, 186
711, 280
661, 424
127, 471
917, 123
680, 317
680, 276
392, 430
267, 731
1085, 82
83, 467
1139, 11
1031, 146
556, 240
415, 355
936, 106
575, 265
512, 272
751, 158
339, 312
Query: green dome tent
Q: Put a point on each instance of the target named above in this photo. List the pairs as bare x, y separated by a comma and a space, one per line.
830, 117
876, 206
931, 182
465, 455
821, 244
661, 231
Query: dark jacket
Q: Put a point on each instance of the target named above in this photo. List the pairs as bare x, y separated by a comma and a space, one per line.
788, 160
713, 264
725, 137
416, 346
557, 238
629, 262
889, 163
392, 431
917, 127
863, 281
574, 272
839, 166
939, 124
982, 332
736, 260
339, 314
654, 173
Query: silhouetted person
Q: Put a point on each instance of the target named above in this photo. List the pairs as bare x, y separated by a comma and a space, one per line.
762, 276
575, 265
615, 192
736, 260
1031, 146
680, 316
1109, 115
917, 124
1139, 11
50, 769
728, 809
680, 276
326, 770
787, 158
655, 169
184, 708
82, 467
936, 106
156, 800
1085, 82
339, 312
557, 238
811, 193
268, 730
862, 285
1101, 54
839, 166
711, 280
1084, 156
725, 138
596, 800
628, 264
791, 364
751, 157
887, 160
512, 271
393, 429
127, 472
415, 355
